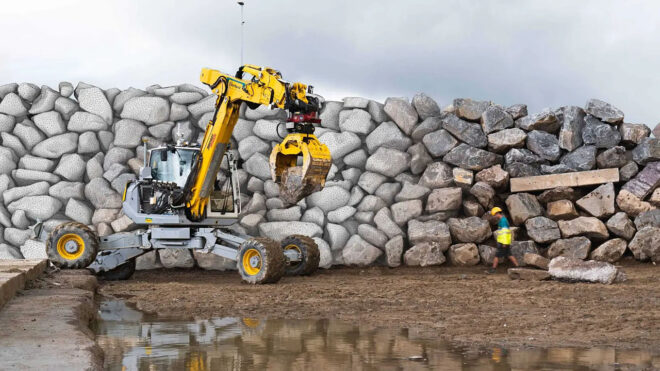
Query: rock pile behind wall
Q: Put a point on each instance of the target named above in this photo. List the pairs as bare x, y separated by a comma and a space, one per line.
409, 183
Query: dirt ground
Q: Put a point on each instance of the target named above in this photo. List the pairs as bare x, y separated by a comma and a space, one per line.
463, 305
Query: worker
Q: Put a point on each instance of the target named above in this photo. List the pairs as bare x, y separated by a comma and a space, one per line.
503, 239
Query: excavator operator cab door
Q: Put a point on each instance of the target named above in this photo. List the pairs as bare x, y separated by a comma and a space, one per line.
172, 164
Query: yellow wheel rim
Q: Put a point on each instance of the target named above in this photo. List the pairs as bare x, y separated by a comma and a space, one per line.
251, 322
252, 262
293, 247
70, 246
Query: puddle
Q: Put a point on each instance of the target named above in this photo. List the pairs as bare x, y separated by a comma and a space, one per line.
132, 340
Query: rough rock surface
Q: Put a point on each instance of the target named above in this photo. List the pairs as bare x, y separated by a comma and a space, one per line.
578, 270
583, 226
423, 255
576, 247
464, 254
599, 202
522, 206
472, 229
610, 251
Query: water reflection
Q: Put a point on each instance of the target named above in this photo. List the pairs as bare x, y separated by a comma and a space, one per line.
133, 341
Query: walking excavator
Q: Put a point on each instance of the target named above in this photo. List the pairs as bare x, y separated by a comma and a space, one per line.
177, 200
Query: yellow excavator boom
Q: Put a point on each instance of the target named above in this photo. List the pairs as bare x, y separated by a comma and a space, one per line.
265, 87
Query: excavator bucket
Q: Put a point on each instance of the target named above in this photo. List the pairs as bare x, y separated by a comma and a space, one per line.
299, 181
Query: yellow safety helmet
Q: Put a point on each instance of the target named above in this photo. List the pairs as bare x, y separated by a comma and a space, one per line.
495, 211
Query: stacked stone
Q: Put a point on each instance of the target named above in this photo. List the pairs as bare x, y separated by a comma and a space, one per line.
410, 183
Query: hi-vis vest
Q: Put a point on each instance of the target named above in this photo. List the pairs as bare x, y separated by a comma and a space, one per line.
503, 236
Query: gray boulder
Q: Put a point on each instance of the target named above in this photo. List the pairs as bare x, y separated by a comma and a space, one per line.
329, 198
377, 111
647, 151
523, 156
372, 235
387, 191
356, 159
384, 222
444, 199
279, 230
425, 106
28, 134
439, 142
387, 135
79, 211
359, 252
633, 134
467, 132
117, 155
419, 158
13, 105
542, 230
423, 255
523, 206
71, 167
517, 111
87, 143
99, 193
355, 102
128, 133
269, 130
545, 120
356, 121
25, 177
20, 220
402, 113
472, 229
437, 175
45, 101
565, 268
495, 119
411, 191
7, 123
504, 140
495, 176
124, 96
599, 202
15, 193
12, 142
340, 215
614, 157
257, 165
150, 110
17, 237
581, 159
251, 145
404, 211
293, 213
85, 121
66, 107
176, 258
649, 218
387, 161
393, 251
520, 248
600, 134
28, 91
33, 249
484, 193
370, 182
341, 144
56, 146
610, 251
604, 111
469, 109
9, 252
429, 125
330, 115
336, 235
94, 101
36, 207
471, 158
621, 225
36, 163
432, 232
570, 135
544, 144
185, 97
464, 254
645, 245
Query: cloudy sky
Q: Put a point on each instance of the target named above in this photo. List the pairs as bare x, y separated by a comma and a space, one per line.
543, 53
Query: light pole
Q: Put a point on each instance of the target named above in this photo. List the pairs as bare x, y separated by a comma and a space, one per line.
241, 3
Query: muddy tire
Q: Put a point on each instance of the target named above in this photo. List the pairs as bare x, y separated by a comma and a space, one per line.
120, 273
309, 251
72, 246
260, 260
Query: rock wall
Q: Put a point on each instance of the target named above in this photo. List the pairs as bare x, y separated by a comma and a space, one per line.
411, 183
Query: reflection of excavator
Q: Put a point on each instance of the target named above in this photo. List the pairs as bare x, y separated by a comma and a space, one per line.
178, 199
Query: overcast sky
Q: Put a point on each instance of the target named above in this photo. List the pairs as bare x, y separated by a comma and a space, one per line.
542, 53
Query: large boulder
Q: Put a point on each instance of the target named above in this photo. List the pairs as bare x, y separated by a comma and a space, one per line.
56, 146
357, 121
71, 167
561, 210
646, 244
471, 158
469, 109
520, 248
576, 247
584, 226
329, 198
404, 211
330, 115
437, 175
101, 195
467, 132
495, 176
645, 182
484, 193
444, 199
419, 158
600, 134
647, 151
581, 159
387, 135
523, 206
402, 113
633, 134
464, 254
604, 111
502, 141
542, 230
340, 144
372, 235
384, 222
94, 101
495, 119
546, 120
472, 229
621, 225
432, 232
649, 218
631, 204
423, 255
150, 110
389, 162
614, 157
79, 211
565, 268
36, 207
439, 142
425, 106
429, 125
570, 135
278, 230
176, 258
544, 144
610, 251
411, 191
360, 252
210, 261
599, 202
16, 193
394, 250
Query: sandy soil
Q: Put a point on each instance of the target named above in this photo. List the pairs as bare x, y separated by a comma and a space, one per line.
463, 305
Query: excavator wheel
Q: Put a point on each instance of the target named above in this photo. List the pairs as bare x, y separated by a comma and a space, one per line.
72, 246
120, 273
309, 252
260, 260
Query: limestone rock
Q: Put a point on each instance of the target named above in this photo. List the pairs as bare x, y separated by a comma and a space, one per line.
425, 106
645, 245
336, 235
424, 255
495, 176
411, 191
387, 135
647, 151
359, 252
123, 224
604, 111
570, 135
377, 111
175, 257
419, 158
56, 146
545, 120
404, 211
79, 211
9, 252
495, 119
584, 226
45, 101
16, 193
610, 251
290, 214
84, 121
12, 105
117, 155
542, 230
329, 198
633, 134
384, 222
464, 254
279, 230
631, 204
99, 193
150, 110
66, 190
432, 232
388, 162
28, 91
467, 132
522, 206
372, 235
469, 109
71, 167
471, 158
36, 207
536, 260
437, 175
340, 144
402, 113
599, 202
33, 249
394, 250
621, 225
571, 269
330, 115
649, 218
502, 141
444, 199
94, 101
341, 214
356, 121
472, 229
581, 159
561, 210
429, 125
544, 144
26, 177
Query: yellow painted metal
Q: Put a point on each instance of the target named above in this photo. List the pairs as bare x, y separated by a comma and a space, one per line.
316, 158
266, 87
247, 267
251, 322
70, 237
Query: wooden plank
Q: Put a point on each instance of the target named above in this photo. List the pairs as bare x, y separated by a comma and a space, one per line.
577, 179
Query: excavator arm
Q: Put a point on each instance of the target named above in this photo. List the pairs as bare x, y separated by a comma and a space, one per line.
266, 87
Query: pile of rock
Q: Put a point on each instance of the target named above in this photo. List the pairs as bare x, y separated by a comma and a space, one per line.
410, 182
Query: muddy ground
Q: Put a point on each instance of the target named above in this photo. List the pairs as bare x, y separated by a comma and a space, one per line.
463, 305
